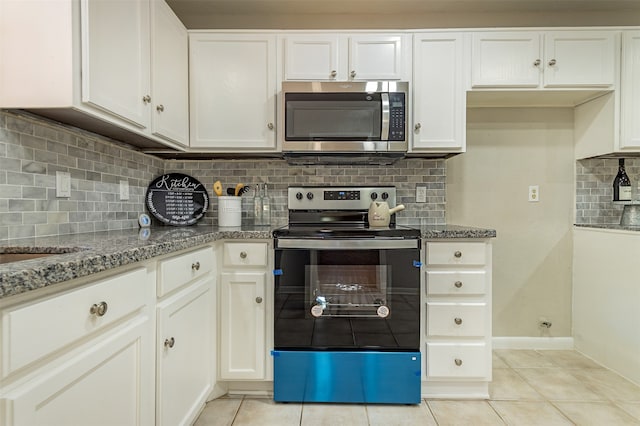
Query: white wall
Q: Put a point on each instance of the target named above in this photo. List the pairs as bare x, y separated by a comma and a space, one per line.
509, 149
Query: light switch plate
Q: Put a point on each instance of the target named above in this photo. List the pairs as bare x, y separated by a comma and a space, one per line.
124, 190
421, 194
63, 184
534, 193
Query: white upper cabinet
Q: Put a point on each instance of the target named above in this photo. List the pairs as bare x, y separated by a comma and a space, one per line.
232, 91
89, 65
439, 96
344, 57
630, 92
115, 58
169, 75
313, 57
558, 59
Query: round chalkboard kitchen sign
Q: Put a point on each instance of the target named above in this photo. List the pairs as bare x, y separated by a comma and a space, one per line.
177, 199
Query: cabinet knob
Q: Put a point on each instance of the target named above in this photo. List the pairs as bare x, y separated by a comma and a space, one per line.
552, 62
258, 299
458, 284
270, 126
195, 266
458, 254
353, 74
333, 73
536, 63
458, 362
243, 255
160, 108
168, 343
417, 127
146, 99
99, 309
458, 321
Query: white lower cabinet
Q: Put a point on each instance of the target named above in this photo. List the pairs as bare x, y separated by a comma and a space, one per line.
458, 319
185, 336
245, 311
185, 356
109, 384
84, 356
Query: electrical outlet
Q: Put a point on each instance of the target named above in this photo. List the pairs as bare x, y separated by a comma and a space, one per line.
421, 194
63, 184
534, 193
124, 190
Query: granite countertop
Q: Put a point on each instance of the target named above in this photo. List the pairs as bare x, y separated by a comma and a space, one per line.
610, 226
79, 255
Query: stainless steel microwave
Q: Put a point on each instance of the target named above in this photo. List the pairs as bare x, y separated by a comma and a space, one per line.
344, 117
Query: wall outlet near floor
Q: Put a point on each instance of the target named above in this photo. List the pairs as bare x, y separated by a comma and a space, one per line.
124, 190
534, 193
63, 184
421, 194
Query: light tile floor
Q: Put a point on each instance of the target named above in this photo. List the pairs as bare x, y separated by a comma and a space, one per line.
529, 388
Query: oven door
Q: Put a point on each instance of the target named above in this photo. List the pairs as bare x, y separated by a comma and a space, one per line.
347, 294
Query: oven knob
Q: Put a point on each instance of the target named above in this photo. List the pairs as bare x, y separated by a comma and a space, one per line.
299, 195
385, 195
374, 195
309, 195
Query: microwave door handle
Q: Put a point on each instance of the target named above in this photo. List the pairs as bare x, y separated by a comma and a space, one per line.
384, 131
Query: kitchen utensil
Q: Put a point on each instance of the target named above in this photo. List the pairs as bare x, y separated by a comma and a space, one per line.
238, 189
217, 188
244, 190
380, 213
231, 191
630, 215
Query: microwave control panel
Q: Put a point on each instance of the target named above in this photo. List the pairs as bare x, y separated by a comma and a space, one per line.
397, 119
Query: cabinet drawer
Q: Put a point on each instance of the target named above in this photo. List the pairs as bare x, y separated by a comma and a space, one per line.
456, 283
38, 329
457, 360
245, 254
456, 253
182, 269
456, 319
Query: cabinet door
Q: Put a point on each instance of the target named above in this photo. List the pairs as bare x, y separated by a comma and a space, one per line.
439, 95
111, 383
506, 59
313, 57
232, 88
185, 355
115, 58
579, 58
169, 75
243, 325
374, 57
630, 91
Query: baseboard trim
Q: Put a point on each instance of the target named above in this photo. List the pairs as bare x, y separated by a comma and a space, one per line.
557, 343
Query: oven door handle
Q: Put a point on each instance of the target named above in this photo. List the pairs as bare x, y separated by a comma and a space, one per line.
347, 244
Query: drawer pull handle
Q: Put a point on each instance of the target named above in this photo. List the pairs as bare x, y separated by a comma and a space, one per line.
168, 343
458, 321
458, 362
195, 266
99, 309
458, 254
458, 284
243, 255
258, 299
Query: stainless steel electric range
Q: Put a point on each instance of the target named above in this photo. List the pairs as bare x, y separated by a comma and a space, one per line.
347, 301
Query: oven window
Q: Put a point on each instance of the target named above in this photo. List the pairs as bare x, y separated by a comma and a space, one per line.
347, 299
333, 116
347, 290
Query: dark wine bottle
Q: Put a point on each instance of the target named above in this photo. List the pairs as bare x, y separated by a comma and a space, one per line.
621, 184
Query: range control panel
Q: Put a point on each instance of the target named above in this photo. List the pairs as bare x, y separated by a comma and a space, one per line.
338, 198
